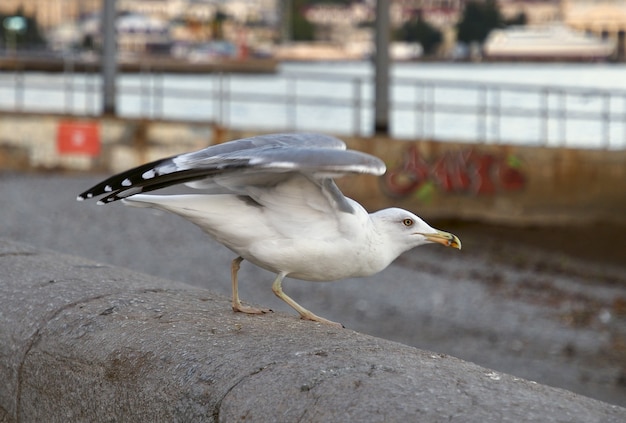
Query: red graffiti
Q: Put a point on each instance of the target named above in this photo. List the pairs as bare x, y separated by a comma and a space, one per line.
465, 171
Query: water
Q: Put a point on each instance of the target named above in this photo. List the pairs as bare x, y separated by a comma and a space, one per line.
447, 101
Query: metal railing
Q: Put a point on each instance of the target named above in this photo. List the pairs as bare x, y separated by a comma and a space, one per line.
552, 115
432, 109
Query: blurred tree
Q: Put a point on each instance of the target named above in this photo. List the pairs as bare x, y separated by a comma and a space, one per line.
88, 43
29, 37
417, 30
302, 29
520, 19
217, 25
479, 18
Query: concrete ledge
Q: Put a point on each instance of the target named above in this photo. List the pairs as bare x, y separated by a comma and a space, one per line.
81, 341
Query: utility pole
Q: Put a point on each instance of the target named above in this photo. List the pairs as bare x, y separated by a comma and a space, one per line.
381, 65
108, 60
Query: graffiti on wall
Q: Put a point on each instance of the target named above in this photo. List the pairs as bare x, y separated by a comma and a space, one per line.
466, 171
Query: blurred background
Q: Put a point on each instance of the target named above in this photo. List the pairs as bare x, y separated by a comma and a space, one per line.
503, 122
200, 30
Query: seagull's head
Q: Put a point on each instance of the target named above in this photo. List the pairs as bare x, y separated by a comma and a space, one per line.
406, 230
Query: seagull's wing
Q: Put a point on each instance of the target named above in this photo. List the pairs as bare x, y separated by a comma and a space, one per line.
197, 165
240, 166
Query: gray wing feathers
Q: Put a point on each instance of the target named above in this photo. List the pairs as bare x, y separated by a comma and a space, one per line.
263, 160
335, 196
241, 148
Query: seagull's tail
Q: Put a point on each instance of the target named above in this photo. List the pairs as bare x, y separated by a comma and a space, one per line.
190, 206
206, 211
183, 205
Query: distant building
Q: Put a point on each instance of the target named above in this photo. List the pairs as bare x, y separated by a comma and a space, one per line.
440, 13
537, 12
148, 25
605, 18
51, 13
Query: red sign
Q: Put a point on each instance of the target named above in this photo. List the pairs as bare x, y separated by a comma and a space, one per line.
78, 137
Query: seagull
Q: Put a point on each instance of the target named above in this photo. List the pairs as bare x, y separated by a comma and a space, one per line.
272, 200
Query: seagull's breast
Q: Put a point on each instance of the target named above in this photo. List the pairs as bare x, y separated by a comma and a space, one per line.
309, 245
321, 252
313, 261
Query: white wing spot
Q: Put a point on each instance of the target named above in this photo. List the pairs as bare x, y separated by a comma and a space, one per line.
126, 182
108, 188
149, 174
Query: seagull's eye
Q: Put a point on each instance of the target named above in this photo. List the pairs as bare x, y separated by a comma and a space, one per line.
407, 222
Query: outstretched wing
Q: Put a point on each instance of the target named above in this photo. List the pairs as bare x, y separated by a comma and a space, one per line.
264, 160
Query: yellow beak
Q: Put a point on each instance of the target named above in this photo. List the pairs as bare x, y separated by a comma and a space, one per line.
444, 238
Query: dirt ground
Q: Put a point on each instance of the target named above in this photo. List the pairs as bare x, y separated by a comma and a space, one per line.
577, 274
543, 303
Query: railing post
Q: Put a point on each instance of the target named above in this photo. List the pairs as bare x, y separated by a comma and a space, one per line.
222, 100
545, 108
157, 95
89, 92
606, 119
481, 121
356, 105
19, 89
563, 118
68, 76
216, 92
419, 109
430, 107
144, 91
624, 118
496, 114
227, 96
292, 102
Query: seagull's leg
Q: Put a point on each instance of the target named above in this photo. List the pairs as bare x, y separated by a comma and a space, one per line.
237, 306
304, 313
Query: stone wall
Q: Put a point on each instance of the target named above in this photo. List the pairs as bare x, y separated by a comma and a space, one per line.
487, 182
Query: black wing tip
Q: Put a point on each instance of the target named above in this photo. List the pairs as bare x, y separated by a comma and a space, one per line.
115, 186
87, 195
113, 195
90, 195
128, 184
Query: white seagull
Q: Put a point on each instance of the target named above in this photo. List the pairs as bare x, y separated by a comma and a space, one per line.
271, 199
